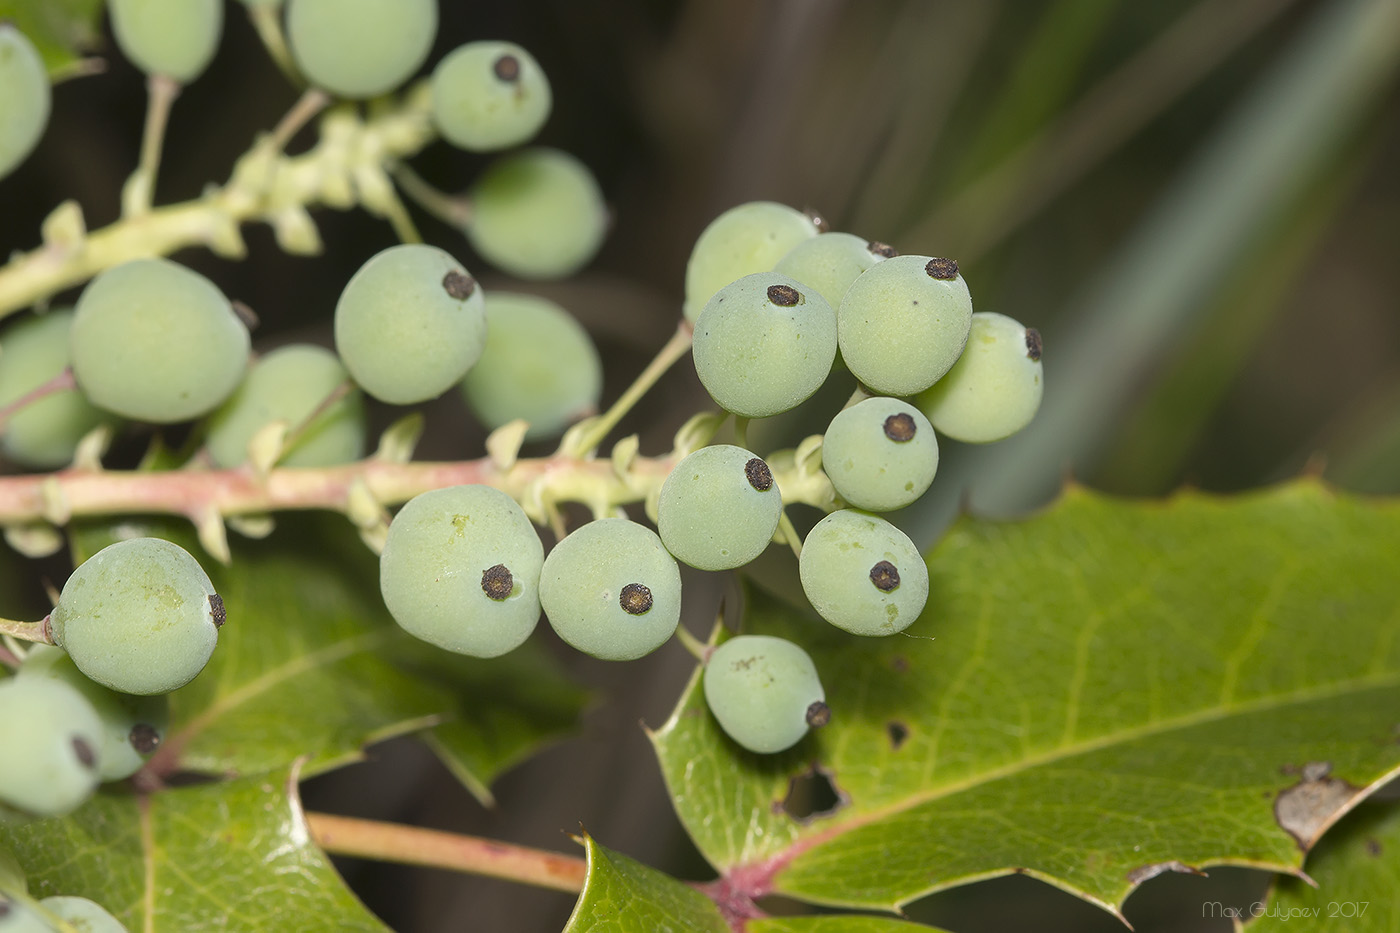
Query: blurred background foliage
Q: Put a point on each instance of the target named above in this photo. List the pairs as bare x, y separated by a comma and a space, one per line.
1195, 202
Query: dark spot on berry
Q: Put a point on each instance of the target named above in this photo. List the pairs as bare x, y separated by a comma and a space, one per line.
459, 285
944, 269
784, 296
818, 714
898, 732
760, 477
217, 611
818, 221
497, 582
87, 757
635, 599
247, 315
882, 249
507, 68
885, 576
1033, 344
900, 427
144, 738
4, 908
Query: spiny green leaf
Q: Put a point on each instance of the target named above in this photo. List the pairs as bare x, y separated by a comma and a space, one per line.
503, 709
60, 29
1357, 871
224, 856
623, 896
1100, 693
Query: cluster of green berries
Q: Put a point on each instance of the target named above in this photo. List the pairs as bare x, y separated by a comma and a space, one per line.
62, 912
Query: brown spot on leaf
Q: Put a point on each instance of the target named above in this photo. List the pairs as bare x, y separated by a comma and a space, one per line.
459, 285
1307, 808
1144, 872
942, 269
898, 733
813, 795
1373, 848
759, 476
899, 663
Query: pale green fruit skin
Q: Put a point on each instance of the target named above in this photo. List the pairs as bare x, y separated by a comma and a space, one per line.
582, 583
995, 387
157, 342
757, 358
759, 689
829, 263
86, 916
749, 238
22, 919
868, 468
710, 516
537, 214
477, 110
41, 771
119, 713
360, 48
45, 433
25, 98
137, 617
835, 565
539, 364
174, 38
900, 328
288, 384
430, 572
403, 337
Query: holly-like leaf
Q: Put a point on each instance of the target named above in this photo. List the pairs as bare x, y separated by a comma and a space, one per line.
624, 896
60, 29
503, 709
222, 856
1094, 695
1357, 872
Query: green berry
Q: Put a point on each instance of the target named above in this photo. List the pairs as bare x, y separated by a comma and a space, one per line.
20, 918
174, 38
611, 590
743, 240
539, 364
44, 434
903, 323
764, 692
830, 262
50, 746
154, 341
360, 48
84, 915
880, 454
719, 508
994, 389
139, 616
289, 384
764, 344
410, 323
461, 569
537, 214
489, 95
25, 98
132, 726
863, 574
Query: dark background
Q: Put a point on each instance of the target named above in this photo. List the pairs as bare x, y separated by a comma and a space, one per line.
1194, 202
